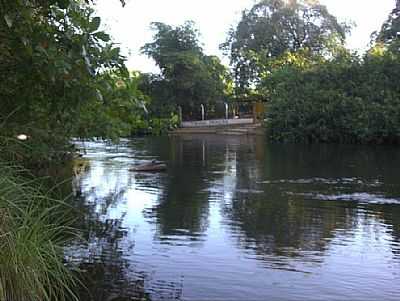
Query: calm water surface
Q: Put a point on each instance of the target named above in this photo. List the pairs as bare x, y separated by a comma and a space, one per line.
236, 218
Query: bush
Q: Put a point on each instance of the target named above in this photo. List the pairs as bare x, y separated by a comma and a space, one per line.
342, 100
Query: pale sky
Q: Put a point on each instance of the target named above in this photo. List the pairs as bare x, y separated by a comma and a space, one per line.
129, 26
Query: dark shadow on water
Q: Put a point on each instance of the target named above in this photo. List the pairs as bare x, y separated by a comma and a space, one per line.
310, 193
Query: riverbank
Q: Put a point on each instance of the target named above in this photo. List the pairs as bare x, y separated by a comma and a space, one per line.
34, 229
233, 129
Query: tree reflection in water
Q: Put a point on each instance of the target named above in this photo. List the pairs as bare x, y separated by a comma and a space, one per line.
183, 207
291, 218
284, 208
102, 255
270, 209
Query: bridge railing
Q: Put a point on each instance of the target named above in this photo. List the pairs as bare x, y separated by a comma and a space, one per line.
220, 110
220, 113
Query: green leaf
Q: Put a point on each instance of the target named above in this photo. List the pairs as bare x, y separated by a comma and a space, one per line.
8, 20
95, 24
102, 36
115, 52
40, 49
63, 4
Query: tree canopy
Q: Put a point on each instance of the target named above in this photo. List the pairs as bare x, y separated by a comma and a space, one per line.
390, 31
188, 76
340, 98
54, 61
271, 28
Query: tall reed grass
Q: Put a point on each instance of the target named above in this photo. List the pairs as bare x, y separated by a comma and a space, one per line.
33, 231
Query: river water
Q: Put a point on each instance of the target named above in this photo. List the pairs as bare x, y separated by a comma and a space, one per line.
238, 218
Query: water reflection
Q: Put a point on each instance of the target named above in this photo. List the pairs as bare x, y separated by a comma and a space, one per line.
235, 218
102, 254
309, 196
182, 208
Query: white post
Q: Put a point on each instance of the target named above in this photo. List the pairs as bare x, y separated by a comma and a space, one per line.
226, 111
202, 112
180, 115
204, 153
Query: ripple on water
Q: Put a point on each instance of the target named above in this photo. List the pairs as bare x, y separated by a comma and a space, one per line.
359, 197
329, 181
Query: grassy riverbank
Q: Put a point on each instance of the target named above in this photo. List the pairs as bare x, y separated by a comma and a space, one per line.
33, 230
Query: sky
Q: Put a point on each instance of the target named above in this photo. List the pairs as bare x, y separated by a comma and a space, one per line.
130, 26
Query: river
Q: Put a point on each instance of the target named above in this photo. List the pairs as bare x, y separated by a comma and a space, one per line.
238, 218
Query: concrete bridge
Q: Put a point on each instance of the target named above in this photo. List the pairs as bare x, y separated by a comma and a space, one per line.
227, 126
219, 127
216, 122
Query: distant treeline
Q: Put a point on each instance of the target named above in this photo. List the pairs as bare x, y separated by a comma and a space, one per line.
345, 99
293, 57
62, 76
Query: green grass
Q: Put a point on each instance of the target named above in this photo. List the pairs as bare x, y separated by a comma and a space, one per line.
33, 231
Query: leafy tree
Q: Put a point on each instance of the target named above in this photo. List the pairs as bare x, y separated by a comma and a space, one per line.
121, 110
271, 28
343, 99
390, 30
188, 76
52, 57
171, 44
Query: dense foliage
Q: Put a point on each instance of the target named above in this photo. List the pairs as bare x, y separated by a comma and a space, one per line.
271, 28
52, 56
188, 76
292, 55
390, 30
341, 100
61, 76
